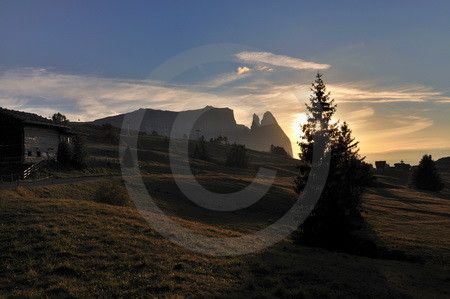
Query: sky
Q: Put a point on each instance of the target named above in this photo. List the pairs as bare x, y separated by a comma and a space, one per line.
386, 63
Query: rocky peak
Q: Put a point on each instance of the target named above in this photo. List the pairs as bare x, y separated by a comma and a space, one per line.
268, 119
255, 123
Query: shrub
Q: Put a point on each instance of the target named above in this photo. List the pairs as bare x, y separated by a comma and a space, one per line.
113, 193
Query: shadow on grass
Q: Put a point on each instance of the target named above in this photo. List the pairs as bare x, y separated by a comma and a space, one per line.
293, 271
363, 242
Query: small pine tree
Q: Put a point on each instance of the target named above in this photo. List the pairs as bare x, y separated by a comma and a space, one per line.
79, 155
426, 175
64, 155
237, 156
127, 159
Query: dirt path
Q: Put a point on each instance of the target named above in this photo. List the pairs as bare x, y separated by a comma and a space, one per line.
47, 182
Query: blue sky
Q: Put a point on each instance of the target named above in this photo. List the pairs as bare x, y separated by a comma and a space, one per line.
387, 62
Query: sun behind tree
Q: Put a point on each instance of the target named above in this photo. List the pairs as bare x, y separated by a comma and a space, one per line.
338, 209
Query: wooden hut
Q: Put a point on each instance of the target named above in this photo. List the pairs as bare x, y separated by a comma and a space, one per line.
27, 138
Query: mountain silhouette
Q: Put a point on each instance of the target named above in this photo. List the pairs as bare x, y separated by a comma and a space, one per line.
211, 123
443, 163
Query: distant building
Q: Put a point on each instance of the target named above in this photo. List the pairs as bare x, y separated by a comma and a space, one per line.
402, 166
28, 138
380, 165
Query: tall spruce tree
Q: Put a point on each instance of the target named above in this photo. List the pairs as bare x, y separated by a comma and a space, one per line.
426, 176
338, 207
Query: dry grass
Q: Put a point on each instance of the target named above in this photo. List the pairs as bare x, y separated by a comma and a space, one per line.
409, 220
75, 247
55, 241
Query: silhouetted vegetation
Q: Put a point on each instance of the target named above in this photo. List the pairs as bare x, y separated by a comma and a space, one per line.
79, 155
200, 150
278, 150
426, 176
111, 133
73, 153
64, 155
60, 118
219, 139
127, 159
337, 212
237, 156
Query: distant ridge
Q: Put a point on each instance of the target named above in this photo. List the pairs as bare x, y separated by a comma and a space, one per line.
443, 163
212, 123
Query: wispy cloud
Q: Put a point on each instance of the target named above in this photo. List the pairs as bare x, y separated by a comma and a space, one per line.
242, 70
90, 97
279, 60
360, 92
402, 125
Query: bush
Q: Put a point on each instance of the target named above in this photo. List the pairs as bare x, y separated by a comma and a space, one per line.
426, 176
113, 193
237, 157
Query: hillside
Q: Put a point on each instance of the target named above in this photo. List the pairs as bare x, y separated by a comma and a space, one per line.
211, 123
59, 241
443, 164
74, 247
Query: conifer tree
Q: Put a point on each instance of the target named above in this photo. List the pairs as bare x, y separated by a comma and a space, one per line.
79, 155
426, 176
339, 203
64, 155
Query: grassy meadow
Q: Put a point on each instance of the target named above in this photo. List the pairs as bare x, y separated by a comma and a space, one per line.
62, 241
